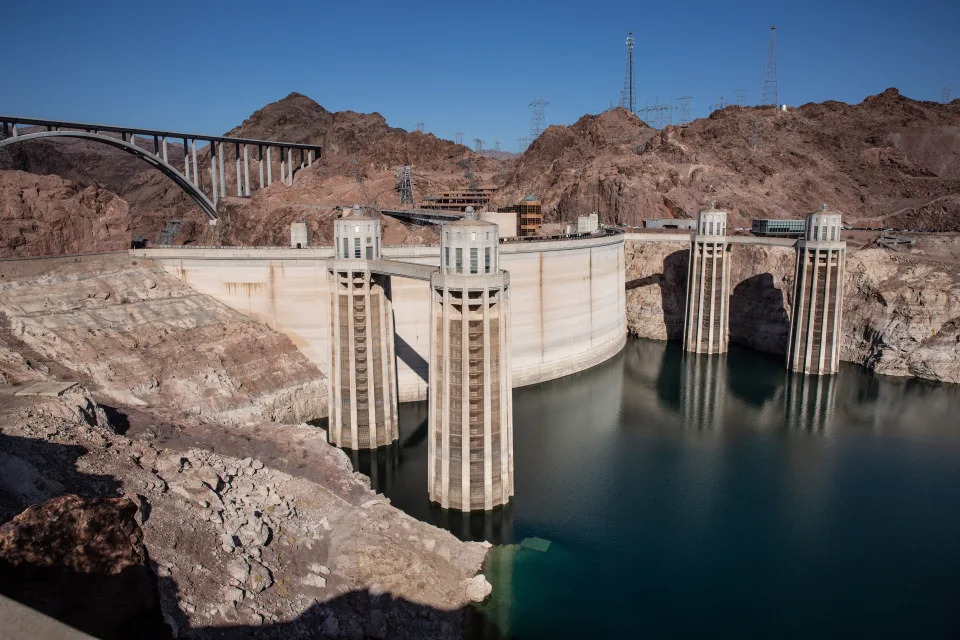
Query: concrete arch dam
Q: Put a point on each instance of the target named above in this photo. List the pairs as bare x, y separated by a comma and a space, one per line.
568, 301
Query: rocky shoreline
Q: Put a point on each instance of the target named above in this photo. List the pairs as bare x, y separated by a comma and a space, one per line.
901, 309
248, 524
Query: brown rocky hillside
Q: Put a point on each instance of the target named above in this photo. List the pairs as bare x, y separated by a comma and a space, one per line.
888, 161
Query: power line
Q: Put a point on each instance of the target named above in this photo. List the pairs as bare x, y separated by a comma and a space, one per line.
538, 107
741, 96
770, 94
628, 94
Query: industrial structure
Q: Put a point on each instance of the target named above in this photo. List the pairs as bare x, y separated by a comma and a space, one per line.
670, 223
190, 178
814, 342
538, 108
470, 422
478, 198
706, 325
770, 90
529, 215
775, 227
403, 184
628, 95
362, 387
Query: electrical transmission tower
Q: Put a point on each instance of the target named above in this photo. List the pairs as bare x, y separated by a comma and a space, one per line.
945, 95
404, 184
628, 95
420, 127
770, 96
538, 107
684, 108
741, 96
522, 143
478, 145
458, 137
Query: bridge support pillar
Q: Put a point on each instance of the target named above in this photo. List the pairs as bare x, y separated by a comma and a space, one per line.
814, 341
246, 172
362, 382
269, 166
290, 167
223, 175
470, 450
213, 173
196, 167
707, 316
239, 181
283, 165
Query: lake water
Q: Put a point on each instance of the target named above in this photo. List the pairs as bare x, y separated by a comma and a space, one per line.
719, 496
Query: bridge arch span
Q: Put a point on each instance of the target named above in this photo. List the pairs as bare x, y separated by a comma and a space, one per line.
209, 208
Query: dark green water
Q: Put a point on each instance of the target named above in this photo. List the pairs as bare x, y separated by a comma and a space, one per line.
716, 497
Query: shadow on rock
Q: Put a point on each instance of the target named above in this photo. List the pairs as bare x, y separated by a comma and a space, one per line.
673, 288
355, 614
758, 315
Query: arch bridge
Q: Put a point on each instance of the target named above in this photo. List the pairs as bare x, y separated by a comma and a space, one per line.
188, 175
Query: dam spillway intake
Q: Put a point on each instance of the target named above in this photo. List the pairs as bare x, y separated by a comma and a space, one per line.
814, 339
362, 383
470, 452
706, 326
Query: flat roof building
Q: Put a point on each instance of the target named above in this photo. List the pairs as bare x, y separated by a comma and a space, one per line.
770, 227
529, 215
670, 223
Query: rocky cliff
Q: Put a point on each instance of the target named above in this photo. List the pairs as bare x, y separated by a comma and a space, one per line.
901, 312
42, 215
139, 337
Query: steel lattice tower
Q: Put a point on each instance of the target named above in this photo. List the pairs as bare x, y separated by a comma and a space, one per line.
404, 184
770, 78
537, 117
628, 95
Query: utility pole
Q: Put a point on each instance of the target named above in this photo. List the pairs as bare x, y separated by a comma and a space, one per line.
537, 118
420, 127
741, 96
770, 94
628, 95
496, 146
478, 145
522, 143
458, 137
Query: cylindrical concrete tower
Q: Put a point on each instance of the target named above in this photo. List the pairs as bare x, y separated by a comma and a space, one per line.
470, 450
362, 382
814, 345
706, 327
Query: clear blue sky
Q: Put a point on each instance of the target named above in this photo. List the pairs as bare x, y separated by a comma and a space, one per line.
203, 66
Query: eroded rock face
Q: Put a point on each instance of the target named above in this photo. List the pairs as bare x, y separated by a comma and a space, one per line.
144, 338
82, 561
280, 545
48, 215
901, 313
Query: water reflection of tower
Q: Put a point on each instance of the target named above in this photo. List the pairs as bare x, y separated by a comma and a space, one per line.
809, 402
703, 387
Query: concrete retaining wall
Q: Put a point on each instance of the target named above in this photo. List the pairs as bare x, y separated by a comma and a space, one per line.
568, 304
